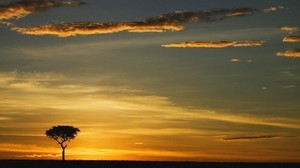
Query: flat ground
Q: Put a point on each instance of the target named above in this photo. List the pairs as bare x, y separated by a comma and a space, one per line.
136, 164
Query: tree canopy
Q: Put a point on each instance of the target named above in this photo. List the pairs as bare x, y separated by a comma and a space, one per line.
62, 133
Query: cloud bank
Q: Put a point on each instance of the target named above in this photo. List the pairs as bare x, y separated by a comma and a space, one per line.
292, 52
20, 9
291, 39
163, 23
213, 44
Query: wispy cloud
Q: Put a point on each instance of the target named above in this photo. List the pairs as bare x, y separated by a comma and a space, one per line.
167, 22
291, 39
39, 156
20, 9
288, 86
292, 52
5, 118
289, 28
274, 8
21, 89
213, 44
254, 138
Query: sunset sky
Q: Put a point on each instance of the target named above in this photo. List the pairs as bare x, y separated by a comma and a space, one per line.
184, 80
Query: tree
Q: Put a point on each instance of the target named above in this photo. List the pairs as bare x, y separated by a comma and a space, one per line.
62, 134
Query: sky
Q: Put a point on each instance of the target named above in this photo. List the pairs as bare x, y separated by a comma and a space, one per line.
179, 80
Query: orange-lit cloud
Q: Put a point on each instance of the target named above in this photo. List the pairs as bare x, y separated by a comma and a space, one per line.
23, 8
248, 43
291, 39
89, 28
213, 44
293, 52
274, 8
166, 22
289, 28
199, 44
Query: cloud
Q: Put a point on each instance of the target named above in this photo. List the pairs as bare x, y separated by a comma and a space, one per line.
289, 28
163, 23
89, 28
264, 88
248, 44
291, 39
199, 44
19, 90
288, 86
6, 23
274, 8
39, 156
213, 44
292, 52
234, 60
201, 16
251, 138
5, 118
20, 9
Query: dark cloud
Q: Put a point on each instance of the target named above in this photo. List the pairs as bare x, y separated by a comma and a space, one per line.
259, 137
201, 16
166, 22
20, 9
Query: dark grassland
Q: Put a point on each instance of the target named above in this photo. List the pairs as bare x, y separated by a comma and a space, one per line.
135, 164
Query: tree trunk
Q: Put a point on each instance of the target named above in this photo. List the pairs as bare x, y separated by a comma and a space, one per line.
63, 150
63, 153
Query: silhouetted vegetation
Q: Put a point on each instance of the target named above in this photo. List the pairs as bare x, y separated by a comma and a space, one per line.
62, 134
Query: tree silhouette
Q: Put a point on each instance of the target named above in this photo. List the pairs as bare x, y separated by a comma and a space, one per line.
62, 134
